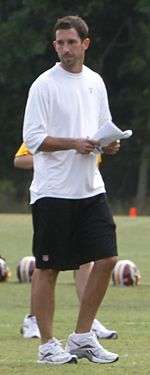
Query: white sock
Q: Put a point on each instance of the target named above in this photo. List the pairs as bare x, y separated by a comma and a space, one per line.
81, 335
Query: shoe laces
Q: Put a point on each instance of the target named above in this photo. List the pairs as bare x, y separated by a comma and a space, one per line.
56, 346
58, 343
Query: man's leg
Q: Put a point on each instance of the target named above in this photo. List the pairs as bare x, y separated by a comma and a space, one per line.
29, 328
83, 342
94, 293
43, 294
43, 300
81, 276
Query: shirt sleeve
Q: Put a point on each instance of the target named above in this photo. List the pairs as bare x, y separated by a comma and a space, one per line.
35, 119
105, 115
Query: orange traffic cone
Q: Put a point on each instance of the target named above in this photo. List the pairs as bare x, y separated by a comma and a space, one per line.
133, 212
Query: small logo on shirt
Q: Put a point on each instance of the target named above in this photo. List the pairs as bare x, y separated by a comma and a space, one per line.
45, 258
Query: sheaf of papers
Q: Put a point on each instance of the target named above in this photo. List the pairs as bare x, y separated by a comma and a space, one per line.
109, 133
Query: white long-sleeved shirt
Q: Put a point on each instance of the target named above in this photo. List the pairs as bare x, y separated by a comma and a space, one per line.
69, 105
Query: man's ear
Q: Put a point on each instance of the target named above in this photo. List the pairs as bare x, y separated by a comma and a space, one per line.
86, 43
54, 44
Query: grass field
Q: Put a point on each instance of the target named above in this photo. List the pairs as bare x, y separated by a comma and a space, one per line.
125, 309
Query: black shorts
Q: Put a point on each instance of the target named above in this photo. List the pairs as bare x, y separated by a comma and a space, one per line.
71, 232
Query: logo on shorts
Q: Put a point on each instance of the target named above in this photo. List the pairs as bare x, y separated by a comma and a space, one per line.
45, 258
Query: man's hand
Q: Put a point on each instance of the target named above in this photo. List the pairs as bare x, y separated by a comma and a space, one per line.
85, 146
112, 148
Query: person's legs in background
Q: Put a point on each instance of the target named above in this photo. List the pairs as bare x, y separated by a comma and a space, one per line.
29, 328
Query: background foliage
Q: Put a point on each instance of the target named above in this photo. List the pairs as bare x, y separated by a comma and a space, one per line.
120, 52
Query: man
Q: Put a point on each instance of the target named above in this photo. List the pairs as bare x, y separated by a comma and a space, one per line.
24, 160
71, 219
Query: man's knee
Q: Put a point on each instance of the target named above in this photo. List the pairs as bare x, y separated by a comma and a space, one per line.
107, 264
41, 274
113, 262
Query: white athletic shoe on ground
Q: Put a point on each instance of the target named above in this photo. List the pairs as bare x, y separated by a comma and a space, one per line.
52, 353
102, 332
87, 346
29, 328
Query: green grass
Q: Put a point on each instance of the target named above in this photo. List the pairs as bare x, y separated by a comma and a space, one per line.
125, 309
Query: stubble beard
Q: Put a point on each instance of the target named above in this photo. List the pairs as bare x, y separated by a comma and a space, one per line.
71, 62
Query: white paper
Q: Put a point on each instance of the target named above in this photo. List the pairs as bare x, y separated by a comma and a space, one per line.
109, 133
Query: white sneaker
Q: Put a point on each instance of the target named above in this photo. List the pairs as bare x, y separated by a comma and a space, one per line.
53, 353
29, 328
87, 346
102, 332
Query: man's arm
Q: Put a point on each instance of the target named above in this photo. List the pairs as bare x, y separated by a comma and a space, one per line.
23, 158
23, 162
81, 145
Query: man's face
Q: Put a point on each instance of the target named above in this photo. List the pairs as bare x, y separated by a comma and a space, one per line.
69, 47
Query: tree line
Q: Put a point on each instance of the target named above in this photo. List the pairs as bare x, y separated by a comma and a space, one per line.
120, 52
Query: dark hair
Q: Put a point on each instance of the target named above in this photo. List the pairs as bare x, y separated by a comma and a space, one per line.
69, 22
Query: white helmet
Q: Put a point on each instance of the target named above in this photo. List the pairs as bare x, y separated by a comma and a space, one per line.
4, 270
126, 273
25, 269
